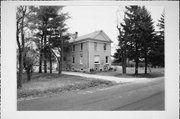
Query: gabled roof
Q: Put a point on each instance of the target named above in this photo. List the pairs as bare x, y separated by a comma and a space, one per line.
96, 36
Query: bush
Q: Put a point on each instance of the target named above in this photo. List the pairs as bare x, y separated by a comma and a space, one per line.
91, 70
110, 69
141, 64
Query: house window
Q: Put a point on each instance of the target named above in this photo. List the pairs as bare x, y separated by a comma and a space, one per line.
73, 59
73, 48
106, 59
104, 46
95, 46
81, 58
64, 58
96, 59
81, 46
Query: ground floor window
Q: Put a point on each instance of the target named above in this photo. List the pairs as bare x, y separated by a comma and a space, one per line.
96, 59
106, 59
73, 59
81, 58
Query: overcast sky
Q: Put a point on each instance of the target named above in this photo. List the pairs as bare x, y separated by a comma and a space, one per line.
87, 19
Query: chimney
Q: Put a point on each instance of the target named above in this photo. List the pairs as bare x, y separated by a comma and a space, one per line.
76, 35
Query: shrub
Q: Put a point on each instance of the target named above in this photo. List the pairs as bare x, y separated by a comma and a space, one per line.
110, 69
91, 70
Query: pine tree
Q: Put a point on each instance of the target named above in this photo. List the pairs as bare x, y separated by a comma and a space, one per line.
157, 54
147, 35
45, 14
48, 20
137, 39
123, 39
133, 32
59, 37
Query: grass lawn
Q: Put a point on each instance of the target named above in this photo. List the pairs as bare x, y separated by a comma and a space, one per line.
155, 72
43, 84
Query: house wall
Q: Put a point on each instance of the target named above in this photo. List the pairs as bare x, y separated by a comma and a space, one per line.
69, 65
88, 54
102, 53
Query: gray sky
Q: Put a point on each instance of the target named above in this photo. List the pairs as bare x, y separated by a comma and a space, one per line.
87, 19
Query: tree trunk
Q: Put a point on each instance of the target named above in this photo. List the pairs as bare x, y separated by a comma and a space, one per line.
20, 29
59, 68
20, 68
50, 63
28, 71
124, 59
40, 62
124, 69
136, 60
19, 83
136, 66
50, 57
124, 66
61, 54
45, 66
40, 57
123, 53
61, 61
123, 63
21, 55
146, 63
45, 55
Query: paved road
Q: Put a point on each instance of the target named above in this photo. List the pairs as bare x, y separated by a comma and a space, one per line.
142, 95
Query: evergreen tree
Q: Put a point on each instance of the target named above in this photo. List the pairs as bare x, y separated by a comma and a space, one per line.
133, 18
137, 36
45, 14
48, 20
123, 38
157, 54
59, 38
147, 35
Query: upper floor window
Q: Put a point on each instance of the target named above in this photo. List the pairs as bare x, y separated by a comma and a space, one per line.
95, 46
81, 46
73, 49
104, 46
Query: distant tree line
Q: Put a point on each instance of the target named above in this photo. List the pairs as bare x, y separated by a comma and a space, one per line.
138, 40
45, 26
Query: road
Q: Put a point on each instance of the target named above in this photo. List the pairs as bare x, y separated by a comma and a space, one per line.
139, 95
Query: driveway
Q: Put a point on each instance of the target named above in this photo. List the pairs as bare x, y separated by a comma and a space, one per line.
110, 78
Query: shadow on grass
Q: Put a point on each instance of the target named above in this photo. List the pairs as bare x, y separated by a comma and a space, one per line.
154, 73
150, 75
43, 76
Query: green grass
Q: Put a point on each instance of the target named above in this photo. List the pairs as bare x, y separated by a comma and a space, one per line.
44, 84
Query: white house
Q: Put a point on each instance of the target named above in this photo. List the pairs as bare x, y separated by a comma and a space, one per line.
91, 51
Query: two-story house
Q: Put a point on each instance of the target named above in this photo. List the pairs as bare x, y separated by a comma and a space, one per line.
91, 51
